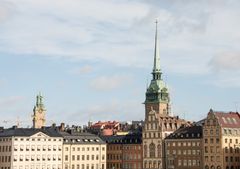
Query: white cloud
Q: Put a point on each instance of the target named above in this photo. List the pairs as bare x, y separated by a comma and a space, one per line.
110, 110
86, 69
106, 83
190, 32
226, 61
10, 101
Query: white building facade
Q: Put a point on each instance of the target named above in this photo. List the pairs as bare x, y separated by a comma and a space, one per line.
28, 148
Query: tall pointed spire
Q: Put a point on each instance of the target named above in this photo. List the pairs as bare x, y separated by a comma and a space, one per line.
156, 66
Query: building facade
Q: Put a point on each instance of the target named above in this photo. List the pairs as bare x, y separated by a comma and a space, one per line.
83, 151
124, 152
158, 120
221, 140
28, 148
184, 147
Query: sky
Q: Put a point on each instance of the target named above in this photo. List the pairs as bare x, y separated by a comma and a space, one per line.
92, 60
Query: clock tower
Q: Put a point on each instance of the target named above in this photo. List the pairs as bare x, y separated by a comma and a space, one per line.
39, 112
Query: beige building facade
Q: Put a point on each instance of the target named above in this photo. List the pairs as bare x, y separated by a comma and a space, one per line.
83, 151
221, 140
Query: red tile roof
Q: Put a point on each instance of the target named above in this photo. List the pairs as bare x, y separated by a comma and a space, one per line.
228, 120
108, 124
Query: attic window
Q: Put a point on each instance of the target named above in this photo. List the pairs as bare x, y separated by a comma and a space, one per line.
78, 140
234, 120
229, 120
97, 140
224, 120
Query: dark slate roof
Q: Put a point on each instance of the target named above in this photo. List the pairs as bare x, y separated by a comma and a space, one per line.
81, 138
124, 139
190, 132
26, 132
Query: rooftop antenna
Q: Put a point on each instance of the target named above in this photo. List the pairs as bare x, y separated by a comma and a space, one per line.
236, 105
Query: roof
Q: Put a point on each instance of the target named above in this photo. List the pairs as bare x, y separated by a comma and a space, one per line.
27, 132
81, 138
108, 124
228, 120
190, 132
135, 138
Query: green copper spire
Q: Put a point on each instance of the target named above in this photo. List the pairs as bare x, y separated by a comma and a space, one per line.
39, 102
157, 90
156, 65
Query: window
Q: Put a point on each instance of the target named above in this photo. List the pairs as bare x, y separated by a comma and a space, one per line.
159, 149
226, 150
194, 162
184, 162
211, 132
206, 149
189, 162
179, 162
152, 150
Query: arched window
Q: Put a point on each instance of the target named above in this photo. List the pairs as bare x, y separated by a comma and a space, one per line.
159, 149
145, 164
212, 167
226, 150
227, 167
218, 167
152, 150
145, 150
206, 167
159, 164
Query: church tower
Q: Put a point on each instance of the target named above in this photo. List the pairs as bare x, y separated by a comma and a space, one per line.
157, 95
39, 112
158, 120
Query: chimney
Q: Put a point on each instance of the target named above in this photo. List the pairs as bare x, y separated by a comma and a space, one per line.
62, 127
54, 125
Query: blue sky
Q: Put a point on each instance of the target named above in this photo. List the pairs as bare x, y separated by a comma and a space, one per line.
92, 59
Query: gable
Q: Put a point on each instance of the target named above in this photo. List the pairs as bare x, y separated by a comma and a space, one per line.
40, 135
